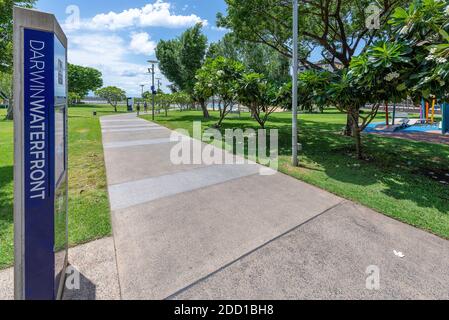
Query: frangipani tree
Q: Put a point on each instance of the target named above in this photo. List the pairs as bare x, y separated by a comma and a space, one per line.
410, 62
312, 88
203, 88
371, 79
181, 99
347, 97
424, 25
258, 95
221, 76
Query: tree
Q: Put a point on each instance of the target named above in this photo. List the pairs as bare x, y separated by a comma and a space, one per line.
112, 95
82, 80
256, 57
6, 30
204, 88
181, 99
372, 78
74, 98
423, 27
312, 87
6, 90
337, 28
222, 77
6, 45
164, 101
255, 92
180, 58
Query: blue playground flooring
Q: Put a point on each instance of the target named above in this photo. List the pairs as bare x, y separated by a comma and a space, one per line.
414, 128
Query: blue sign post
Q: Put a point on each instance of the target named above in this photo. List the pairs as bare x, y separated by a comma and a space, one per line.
40, 115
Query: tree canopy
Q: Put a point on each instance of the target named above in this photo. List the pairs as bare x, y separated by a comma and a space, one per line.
221, 77
180, 58
6, 30
82, 80
256, 57
335, 27
112, 95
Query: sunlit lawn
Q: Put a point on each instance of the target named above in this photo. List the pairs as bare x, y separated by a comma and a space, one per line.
89, 216
395, 180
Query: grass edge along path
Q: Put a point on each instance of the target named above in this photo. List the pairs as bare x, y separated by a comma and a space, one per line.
89, 211
394, 181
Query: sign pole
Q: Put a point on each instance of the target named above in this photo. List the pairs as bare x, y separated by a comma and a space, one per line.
295, 161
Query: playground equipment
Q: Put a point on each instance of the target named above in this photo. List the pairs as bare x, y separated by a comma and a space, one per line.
425, 123
427, 114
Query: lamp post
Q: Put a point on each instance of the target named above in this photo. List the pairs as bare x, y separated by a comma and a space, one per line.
142, 86
153, 91
295, 161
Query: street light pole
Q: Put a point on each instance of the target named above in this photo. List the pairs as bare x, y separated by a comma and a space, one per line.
142, 86
295, 161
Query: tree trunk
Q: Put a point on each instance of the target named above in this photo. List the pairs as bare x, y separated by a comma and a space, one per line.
358, 143
357, 134
222, 115
10, 111
349, 125
204, 108
259, 120
219, 106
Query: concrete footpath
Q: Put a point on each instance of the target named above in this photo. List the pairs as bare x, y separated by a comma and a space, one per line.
225, 231
95, 262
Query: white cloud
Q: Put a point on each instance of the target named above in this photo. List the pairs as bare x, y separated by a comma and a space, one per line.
141, 43
220, 29
109, 54
97, 42
157, 14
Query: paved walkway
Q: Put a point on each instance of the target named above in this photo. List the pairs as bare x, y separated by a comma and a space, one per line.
198, 231
95, 262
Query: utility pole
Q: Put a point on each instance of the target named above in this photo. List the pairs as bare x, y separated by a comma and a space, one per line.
159, 83
295, 161
153, 89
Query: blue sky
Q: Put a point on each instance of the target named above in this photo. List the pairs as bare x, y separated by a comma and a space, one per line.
118, 37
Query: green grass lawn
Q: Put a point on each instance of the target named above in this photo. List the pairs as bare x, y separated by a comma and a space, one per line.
89, 216
395, 180
6, 191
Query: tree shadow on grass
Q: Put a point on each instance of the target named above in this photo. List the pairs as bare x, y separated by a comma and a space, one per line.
401, 166
398, 166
